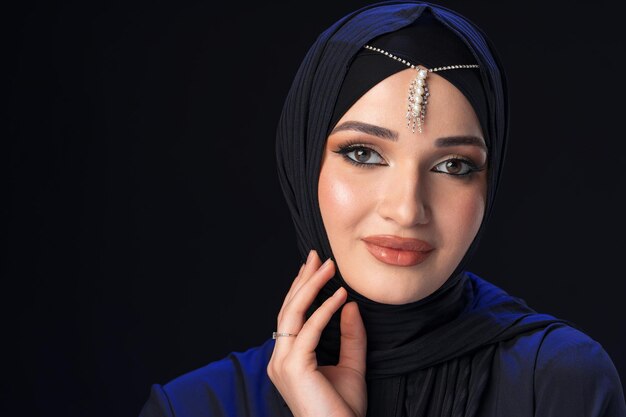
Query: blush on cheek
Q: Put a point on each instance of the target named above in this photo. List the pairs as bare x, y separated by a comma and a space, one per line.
340, 195
460, 221
473, 216
341, 203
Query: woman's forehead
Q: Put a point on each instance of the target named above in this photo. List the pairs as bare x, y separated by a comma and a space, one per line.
386, 105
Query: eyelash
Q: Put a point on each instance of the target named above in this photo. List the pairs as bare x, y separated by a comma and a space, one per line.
346, 148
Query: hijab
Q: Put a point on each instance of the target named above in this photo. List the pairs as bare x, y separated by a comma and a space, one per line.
431, 356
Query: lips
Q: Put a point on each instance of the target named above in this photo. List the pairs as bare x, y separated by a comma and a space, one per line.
398, 251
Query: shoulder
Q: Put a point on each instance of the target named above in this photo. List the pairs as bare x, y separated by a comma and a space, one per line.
567, 349
224, 376
250, 363
569, 353
556, 370
548, 363
574, 370
231, 386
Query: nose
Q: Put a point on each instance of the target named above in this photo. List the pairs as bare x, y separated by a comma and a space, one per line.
404, 199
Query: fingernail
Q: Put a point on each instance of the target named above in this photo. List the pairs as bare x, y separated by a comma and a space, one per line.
310, 257
326, 263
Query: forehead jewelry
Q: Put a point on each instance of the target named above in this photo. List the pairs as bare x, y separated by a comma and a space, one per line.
418, 90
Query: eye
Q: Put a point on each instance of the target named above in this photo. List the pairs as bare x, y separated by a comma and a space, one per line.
361, 155
456, 166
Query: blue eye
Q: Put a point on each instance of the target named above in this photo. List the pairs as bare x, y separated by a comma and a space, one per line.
456, 166
361, 155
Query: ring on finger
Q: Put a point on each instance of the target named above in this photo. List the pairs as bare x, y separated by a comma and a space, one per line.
276, 335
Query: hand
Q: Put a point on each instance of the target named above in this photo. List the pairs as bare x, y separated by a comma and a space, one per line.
309, 389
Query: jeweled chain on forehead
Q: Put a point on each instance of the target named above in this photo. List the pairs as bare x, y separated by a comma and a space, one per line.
418, 90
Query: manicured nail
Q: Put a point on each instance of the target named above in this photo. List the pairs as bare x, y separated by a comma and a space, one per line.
326, 264
310, 257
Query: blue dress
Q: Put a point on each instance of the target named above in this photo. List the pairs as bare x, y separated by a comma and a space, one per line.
555, 370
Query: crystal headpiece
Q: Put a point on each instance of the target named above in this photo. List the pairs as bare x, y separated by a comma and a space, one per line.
418, 90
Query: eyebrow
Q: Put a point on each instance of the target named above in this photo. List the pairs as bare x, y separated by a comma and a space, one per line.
461, 140
373, 130
392, 135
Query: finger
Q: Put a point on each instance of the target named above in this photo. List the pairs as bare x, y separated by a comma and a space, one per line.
294, 311
313, 263
302, 274
308, 259
293, 317
311, 331
353, 348
305, 271
291, 289
293, 314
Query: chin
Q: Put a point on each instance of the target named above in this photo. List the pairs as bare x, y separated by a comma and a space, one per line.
395, 285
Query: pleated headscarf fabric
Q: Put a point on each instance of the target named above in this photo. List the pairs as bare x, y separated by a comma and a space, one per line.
309, 107
430, 357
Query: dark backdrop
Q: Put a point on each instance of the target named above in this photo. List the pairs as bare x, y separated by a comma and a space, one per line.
145, 231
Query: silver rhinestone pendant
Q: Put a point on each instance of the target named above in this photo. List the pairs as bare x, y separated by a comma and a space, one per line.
417, 100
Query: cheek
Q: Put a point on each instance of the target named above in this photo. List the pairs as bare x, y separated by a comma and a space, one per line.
463, 217
475, 210
342, 198
335, 197
334, 194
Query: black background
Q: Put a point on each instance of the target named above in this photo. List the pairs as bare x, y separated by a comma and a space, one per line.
145, 231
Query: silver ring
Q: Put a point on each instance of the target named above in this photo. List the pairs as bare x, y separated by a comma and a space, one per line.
277, 335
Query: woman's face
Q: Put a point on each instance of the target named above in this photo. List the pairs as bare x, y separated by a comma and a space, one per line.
401, 208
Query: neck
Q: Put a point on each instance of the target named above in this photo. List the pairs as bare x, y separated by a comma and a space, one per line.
392, 326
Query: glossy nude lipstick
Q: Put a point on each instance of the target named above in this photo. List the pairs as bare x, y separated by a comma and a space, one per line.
399, 251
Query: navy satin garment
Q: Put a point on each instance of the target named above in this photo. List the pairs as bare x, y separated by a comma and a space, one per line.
469, 349
552, 371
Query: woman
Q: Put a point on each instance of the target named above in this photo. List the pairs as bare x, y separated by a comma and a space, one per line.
390, 148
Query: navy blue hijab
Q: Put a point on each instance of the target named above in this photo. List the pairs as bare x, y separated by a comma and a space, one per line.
309, 107
450, 335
